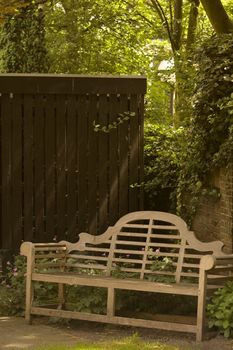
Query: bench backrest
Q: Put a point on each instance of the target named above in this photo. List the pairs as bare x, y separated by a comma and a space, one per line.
146, 245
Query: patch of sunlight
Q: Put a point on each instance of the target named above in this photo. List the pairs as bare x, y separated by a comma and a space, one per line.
16, 346
131, 343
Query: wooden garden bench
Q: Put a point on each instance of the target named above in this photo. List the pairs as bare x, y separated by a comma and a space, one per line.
135, 254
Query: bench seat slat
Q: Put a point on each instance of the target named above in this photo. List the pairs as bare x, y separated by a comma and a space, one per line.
129, 284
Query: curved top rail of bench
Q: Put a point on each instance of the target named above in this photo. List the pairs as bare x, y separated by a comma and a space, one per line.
215, 246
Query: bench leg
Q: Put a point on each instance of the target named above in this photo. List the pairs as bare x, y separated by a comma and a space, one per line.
29, 298
111, 302
61, 295
201, 307
29, 287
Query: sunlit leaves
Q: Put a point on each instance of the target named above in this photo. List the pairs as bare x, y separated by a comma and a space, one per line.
9, 7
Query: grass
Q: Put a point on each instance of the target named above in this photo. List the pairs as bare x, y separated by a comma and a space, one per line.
131, 343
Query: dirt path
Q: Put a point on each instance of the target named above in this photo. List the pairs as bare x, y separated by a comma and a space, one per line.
15, 333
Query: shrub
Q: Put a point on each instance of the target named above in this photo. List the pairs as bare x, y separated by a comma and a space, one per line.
220, 310
12, 291
163, 145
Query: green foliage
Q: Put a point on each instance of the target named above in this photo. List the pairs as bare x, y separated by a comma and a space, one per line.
98, 36
23, 42
116, 37
12, 288
163, 145
12, 293
209, 139
86, 299
220, 310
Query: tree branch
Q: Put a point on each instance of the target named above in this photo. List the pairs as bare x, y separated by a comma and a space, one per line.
158, 8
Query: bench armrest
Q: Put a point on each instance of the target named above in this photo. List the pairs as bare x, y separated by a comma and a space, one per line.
207, 262
210, 262
27, 248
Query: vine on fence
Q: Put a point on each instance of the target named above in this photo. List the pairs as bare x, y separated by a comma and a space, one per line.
122, 117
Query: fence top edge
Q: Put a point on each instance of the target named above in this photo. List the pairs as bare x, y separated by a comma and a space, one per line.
71, 83
71, 76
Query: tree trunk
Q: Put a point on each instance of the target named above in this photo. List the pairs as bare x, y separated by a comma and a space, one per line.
192, 25
218, 16
177, 31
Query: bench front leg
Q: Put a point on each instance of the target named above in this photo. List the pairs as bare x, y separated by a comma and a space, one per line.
201, 306
207, 263
27, 249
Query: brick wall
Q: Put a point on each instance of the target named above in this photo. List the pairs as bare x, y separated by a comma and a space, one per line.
214, 218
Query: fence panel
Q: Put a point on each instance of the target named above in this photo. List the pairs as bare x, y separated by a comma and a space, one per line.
59, 176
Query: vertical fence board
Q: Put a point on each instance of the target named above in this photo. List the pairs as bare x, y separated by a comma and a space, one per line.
61, 167
123, 144
28, 173
71, 168
134, 154
50, 166
113, 162
1, 221
141, 148
16, 164
103, 164
6, 229
92, 166
39, 168
82, 163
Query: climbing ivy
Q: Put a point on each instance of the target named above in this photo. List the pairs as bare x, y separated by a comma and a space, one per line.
209, 138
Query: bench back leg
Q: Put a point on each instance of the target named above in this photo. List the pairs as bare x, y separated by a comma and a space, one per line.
61, 295
111, 302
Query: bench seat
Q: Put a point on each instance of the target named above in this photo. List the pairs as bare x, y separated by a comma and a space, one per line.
104, 281
146, 251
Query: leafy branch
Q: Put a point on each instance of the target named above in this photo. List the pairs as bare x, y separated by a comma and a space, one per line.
122, 117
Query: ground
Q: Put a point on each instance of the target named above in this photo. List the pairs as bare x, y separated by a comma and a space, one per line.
15, 333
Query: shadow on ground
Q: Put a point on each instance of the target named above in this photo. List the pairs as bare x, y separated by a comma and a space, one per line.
15, 333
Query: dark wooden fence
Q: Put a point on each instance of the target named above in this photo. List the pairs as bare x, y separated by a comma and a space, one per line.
59, 177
